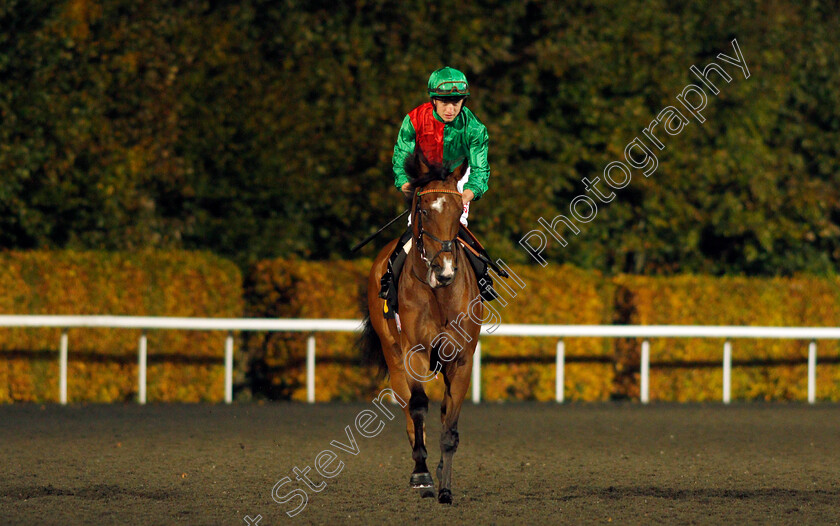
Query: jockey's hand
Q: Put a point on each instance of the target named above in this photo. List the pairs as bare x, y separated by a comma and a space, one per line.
406, 189
467, 196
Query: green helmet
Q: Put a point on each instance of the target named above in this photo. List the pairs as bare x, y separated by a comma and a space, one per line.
448, 82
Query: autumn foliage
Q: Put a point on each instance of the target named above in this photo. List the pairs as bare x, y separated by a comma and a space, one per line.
296, 289
596, 369
689, 369
187, 365
290, 288
102, 363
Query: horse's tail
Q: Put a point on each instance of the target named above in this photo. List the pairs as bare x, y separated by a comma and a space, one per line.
370, 344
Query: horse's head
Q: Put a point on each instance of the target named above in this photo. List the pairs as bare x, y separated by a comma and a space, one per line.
436, 211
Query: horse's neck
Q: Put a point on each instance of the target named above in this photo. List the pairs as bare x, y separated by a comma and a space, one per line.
415, 263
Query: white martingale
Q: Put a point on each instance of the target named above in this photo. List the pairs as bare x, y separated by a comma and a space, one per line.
461, 183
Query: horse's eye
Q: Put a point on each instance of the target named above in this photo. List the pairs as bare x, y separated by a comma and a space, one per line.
424, 212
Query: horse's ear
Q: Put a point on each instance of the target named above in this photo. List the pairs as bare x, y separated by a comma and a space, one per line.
421, 162
460, 171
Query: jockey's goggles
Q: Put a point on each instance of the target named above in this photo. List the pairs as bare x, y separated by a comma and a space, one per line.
452, 88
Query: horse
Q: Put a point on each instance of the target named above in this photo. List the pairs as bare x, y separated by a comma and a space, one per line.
436, 290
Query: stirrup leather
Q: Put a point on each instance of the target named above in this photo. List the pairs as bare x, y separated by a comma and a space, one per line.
389, 283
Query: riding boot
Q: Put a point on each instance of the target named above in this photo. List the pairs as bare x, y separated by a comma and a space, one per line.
482, 270
391, 279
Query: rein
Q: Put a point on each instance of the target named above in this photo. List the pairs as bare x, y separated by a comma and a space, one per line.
446, 246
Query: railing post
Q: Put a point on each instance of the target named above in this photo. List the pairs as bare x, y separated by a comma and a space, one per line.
560, 373
141, 370
727, 371
812, 372
645, 379
476, 374
310, 369
62, 368
229, 368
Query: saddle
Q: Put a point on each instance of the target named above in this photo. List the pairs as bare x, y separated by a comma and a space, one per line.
476, 254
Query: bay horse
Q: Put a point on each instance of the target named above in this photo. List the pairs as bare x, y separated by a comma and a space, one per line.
436, 334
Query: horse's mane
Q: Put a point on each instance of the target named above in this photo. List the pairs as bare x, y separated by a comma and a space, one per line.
437, 172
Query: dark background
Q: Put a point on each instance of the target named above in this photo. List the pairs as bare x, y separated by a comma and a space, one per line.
259, 129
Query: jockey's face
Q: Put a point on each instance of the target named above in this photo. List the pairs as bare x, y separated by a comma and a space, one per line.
448, 107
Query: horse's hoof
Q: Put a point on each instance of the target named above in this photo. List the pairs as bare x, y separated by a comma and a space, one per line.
427, 493
445, 496
422, 480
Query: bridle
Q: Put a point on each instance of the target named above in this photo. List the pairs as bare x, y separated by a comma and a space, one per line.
445, 246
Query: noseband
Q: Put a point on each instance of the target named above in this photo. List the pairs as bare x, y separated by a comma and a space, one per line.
446, 246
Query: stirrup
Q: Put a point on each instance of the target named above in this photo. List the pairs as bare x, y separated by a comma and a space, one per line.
383, 283
488, 292
388, 277
390, 280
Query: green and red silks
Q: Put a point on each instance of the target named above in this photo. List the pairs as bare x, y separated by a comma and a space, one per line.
463, 138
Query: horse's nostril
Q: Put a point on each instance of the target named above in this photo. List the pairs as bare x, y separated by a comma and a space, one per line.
445, 280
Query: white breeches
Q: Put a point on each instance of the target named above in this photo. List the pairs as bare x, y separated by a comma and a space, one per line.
461, 182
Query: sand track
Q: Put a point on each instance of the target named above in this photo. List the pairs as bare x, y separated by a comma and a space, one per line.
517, 463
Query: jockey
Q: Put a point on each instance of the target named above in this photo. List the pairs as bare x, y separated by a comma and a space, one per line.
447, 133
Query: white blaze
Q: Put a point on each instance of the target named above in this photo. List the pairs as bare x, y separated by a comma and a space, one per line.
448, 266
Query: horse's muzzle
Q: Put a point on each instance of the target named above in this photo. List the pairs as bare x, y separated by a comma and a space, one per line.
443, 275
439, 281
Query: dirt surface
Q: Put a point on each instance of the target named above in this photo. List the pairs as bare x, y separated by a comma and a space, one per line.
517, 464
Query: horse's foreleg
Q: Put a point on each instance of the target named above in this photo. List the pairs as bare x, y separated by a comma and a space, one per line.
400, 386
446, 400
418, 408
450, 411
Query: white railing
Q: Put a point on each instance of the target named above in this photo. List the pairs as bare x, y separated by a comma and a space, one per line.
328, 325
